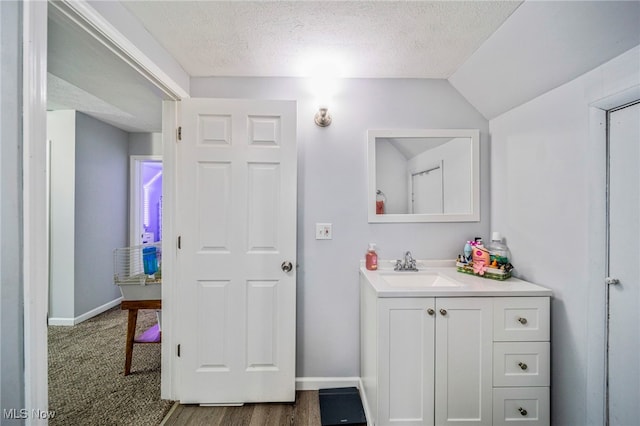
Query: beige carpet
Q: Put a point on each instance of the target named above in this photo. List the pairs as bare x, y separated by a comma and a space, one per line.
86, 381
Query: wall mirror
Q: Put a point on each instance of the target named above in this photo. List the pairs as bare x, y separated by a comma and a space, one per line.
424, 175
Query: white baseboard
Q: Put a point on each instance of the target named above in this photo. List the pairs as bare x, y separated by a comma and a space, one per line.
315, 383
60, 321
92, 313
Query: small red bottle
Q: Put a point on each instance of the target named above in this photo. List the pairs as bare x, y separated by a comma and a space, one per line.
371, 258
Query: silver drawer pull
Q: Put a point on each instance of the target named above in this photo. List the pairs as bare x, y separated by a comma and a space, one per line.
522, 321
522, 411
523, 366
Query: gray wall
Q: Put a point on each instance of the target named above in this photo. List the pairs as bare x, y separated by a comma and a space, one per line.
145, 143
332, 187
11, 297
101, 209
548, 198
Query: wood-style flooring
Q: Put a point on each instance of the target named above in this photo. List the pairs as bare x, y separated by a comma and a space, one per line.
304, 412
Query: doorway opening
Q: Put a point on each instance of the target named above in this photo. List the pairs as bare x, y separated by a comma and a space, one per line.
145, 199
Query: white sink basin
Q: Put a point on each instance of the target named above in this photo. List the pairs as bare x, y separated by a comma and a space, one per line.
417, 279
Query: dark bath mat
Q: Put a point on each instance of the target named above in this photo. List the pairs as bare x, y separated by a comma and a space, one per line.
341, 406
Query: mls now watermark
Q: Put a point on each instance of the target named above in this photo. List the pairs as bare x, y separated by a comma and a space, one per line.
23, 413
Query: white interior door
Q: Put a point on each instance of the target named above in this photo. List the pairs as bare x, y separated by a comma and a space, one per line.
624, 235
236, 195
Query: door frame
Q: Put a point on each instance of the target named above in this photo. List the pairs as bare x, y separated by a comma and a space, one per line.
35, 251
168, 380
35, 248
607, 303
597, 239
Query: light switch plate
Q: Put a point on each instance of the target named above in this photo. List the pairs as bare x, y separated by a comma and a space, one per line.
323, 231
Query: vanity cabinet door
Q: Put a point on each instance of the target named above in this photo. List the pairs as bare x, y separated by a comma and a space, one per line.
406, 361
463, 361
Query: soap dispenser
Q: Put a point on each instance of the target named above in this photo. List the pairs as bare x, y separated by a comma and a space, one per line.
371, 258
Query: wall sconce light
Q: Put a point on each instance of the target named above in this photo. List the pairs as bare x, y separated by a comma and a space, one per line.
324, 72
322, 117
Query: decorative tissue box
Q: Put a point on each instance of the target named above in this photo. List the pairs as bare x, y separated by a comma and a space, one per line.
492, 273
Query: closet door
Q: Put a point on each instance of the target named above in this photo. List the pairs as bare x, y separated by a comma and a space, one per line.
624, 267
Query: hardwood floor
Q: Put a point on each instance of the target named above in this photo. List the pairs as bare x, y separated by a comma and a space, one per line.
304, 412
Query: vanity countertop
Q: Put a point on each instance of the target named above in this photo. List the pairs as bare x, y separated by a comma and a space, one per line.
447, 282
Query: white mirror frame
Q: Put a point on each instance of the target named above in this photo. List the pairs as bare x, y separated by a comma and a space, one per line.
473, 216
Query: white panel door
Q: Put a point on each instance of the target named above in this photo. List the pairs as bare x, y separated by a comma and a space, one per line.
624, 235
464, 340
236, 195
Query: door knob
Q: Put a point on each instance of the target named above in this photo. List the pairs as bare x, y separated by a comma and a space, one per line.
611, 281
443, 312
430, 311
286, 266
522, 411
523, 366
522, 321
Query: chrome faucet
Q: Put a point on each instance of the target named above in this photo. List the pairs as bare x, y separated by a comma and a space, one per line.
409, 263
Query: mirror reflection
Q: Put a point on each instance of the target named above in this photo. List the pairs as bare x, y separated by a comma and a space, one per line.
423, 175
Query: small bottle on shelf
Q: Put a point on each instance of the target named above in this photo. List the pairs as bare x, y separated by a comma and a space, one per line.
371, 258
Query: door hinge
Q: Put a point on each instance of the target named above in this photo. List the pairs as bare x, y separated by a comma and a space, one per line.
179, 133
178, 350
179, 242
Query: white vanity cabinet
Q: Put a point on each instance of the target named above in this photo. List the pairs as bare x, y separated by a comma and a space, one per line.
433, 361
449, 360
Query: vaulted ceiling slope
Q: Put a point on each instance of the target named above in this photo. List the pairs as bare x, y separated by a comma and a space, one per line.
542, 46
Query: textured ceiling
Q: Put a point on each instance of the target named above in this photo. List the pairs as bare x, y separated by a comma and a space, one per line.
497, 54
404, 39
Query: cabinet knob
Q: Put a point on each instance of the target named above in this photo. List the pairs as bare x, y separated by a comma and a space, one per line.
430, 311
523, 366
522, 321
522, 411
443, 312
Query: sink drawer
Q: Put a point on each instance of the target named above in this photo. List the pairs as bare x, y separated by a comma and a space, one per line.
521, 318
521, 363
529, 406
